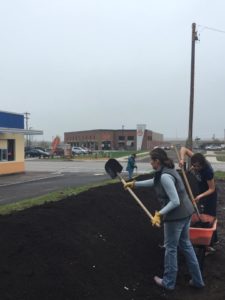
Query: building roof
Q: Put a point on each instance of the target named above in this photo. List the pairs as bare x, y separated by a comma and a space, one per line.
20, 131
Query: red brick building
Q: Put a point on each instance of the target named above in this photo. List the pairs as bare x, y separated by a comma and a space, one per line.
118, 139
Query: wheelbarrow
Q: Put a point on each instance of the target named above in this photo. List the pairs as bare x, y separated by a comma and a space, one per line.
202, 238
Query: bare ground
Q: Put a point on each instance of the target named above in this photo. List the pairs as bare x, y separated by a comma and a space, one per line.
94, 246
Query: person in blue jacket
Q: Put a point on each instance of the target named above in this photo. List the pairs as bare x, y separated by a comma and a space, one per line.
131, 165
176, 211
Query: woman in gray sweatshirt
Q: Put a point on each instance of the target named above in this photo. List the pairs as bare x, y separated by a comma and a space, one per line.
176, 210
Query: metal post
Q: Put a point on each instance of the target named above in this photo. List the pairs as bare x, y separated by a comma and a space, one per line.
26, 119
190, 129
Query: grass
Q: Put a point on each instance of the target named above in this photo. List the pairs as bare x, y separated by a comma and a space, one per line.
50, 197
220, 175
220, 157
108, 154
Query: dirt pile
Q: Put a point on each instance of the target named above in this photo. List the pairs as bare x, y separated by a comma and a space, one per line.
96, 245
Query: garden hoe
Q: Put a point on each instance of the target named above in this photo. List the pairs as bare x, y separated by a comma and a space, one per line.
114, 168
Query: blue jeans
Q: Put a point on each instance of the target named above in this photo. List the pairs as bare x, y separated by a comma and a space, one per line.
176, 234
130, 173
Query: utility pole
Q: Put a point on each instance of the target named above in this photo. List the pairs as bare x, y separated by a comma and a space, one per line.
26, 114
191, 107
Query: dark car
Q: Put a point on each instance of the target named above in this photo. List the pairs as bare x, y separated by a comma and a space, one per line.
37, 153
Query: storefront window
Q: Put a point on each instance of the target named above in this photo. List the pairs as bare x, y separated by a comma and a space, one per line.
7, 154
3, 155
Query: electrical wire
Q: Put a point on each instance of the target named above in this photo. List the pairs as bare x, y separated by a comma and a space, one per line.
211, 28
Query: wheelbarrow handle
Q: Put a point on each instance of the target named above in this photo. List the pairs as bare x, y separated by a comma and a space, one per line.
136, 198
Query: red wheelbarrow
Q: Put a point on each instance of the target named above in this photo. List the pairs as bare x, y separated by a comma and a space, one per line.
202, 237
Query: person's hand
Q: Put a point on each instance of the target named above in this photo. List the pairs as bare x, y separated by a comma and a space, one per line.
181, 163
129, 184
156, 220
196, 199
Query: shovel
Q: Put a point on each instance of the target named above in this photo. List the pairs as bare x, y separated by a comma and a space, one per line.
188, 186
114, 168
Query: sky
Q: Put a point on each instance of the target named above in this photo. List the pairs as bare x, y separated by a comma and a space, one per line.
78, 65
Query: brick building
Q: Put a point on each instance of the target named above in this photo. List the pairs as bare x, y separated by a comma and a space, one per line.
114, 139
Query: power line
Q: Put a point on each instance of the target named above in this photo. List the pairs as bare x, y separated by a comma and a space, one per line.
211, 28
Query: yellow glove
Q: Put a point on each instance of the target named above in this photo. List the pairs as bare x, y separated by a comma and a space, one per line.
130, 184
156, 221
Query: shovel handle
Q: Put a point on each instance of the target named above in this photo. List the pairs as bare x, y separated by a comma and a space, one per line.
137, 199
187, 184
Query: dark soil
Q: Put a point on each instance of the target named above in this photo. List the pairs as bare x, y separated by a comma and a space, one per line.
96, 245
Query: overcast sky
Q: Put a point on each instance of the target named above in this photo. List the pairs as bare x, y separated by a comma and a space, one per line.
103, 64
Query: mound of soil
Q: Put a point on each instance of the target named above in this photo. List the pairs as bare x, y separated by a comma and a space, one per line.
96, 245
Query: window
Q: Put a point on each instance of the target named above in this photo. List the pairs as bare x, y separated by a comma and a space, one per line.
130, 138
11, 150
3, 155
121, 138
7, 150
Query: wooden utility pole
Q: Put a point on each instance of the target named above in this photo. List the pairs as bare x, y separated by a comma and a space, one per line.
191, 107
26, 119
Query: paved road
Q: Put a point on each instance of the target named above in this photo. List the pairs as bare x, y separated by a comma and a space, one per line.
44, 176
21, 188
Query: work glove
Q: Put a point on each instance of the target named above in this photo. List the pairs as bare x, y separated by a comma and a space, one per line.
130, 184
156, 220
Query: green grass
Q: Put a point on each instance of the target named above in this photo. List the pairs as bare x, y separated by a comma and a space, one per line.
50, 197
108, 154
220, 175
220, 157
117, 154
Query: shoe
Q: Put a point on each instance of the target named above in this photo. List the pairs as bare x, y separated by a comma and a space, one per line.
191, 284
158, 281
209, 251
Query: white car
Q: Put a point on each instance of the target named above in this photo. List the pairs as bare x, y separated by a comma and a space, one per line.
213, 147
78, 150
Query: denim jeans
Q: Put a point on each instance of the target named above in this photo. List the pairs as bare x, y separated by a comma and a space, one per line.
130, 173
176, 234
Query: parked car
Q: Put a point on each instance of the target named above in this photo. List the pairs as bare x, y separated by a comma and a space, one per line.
213, 147
163, 147
37, 153
78, 150
86, 150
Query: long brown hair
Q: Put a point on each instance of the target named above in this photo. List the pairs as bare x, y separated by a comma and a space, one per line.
199, 158
161, 155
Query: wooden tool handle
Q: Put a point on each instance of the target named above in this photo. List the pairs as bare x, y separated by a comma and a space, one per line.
137, 199
187, 183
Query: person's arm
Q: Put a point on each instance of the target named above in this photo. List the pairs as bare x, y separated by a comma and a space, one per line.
136, 184
168, 183
211, 189
184, 152
144, 183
